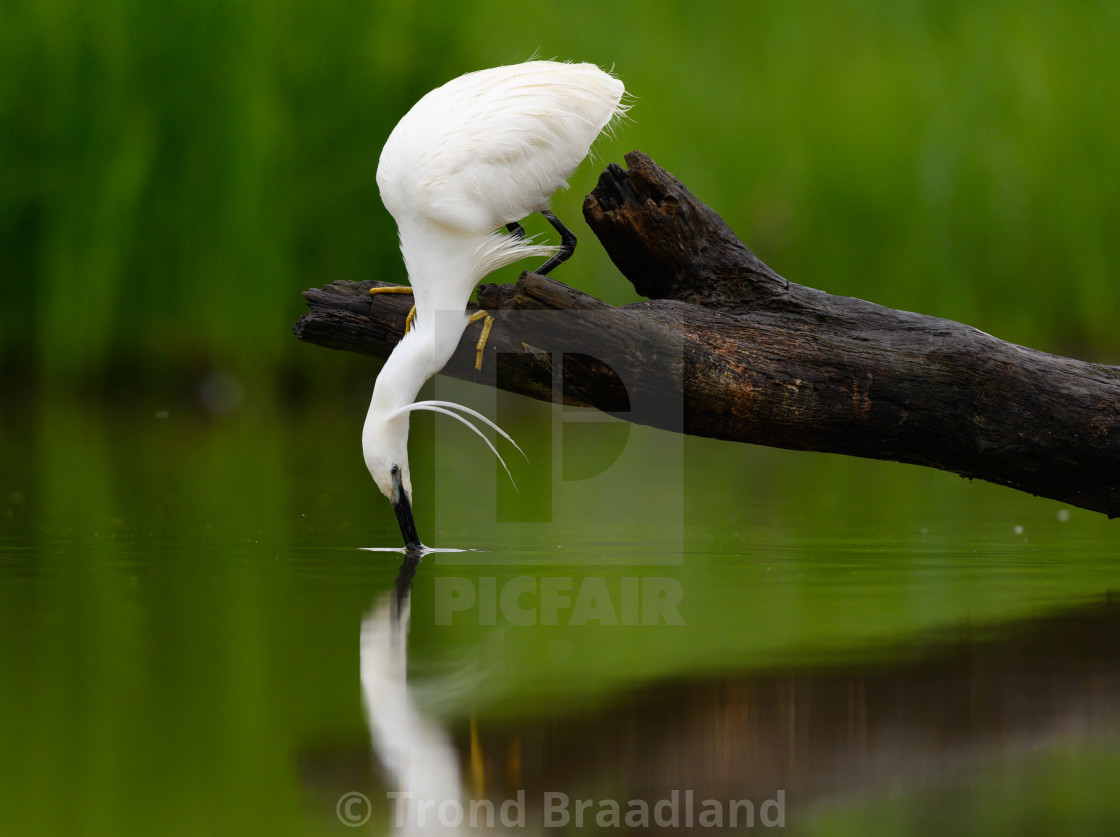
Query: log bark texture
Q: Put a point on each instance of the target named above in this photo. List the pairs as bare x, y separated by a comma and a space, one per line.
725, 347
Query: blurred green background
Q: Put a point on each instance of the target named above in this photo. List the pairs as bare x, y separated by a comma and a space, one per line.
173, 173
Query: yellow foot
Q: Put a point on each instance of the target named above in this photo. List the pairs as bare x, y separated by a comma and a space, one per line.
486, 326
478, 761
398, 289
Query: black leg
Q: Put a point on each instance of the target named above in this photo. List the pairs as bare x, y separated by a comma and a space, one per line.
567, 243
515, 229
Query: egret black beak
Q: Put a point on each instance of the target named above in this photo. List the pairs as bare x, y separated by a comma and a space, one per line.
402, 507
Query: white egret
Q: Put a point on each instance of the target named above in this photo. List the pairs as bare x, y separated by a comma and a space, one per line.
472, 157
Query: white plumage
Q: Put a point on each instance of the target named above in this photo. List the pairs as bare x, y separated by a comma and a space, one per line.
479, 153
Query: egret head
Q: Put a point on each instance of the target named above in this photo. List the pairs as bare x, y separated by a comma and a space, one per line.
385, 447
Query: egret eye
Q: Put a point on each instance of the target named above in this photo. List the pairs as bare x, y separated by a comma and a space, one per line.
394, 471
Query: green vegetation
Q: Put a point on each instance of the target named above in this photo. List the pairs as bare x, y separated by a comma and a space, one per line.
172, 174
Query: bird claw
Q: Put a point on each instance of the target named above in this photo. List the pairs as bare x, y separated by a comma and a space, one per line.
398, 289
486, 326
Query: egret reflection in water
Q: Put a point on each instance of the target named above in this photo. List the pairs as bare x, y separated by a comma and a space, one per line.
419, 759
802, 735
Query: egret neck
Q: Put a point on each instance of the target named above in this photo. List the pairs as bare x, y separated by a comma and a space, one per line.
459, 260
385, 434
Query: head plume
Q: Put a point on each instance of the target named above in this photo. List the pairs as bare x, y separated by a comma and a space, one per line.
446, 408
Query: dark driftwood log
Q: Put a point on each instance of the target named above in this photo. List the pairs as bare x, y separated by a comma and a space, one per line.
727, 348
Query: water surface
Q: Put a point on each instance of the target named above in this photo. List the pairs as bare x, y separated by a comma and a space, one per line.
197, 639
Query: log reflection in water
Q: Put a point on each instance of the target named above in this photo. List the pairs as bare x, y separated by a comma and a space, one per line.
822, 732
